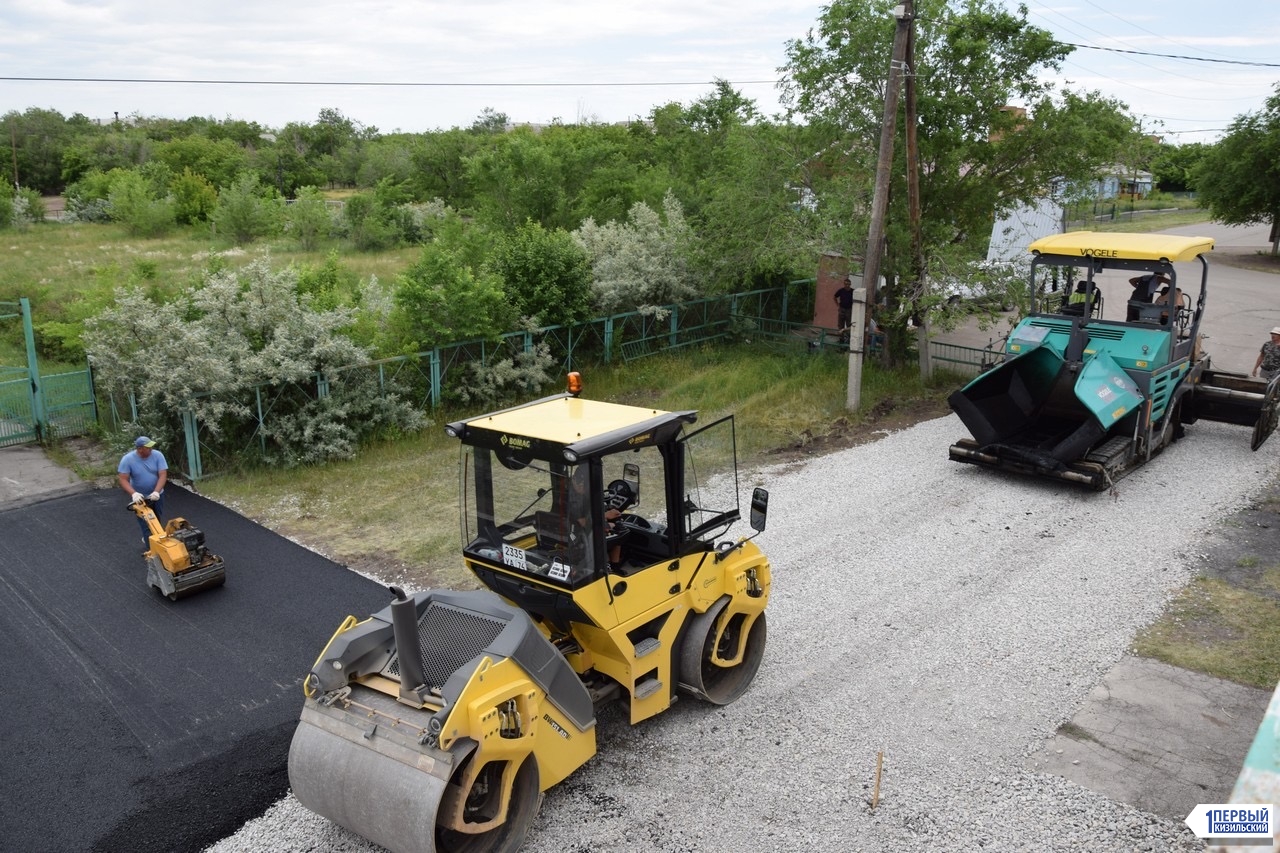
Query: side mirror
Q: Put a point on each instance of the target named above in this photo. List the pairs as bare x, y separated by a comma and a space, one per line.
759, 508
631, 473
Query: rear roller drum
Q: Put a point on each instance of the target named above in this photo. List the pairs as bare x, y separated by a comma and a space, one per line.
706, 648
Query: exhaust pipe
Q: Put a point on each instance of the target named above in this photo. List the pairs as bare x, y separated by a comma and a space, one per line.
404, 624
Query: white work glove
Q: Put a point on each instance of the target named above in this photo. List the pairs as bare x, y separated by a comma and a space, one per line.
154, 496
138, 498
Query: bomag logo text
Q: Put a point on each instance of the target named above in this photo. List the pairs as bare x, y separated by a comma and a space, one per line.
559, 729
640, 439
516, 442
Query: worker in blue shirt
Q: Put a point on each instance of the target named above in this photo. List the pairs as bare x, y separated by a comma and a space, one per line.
143, 474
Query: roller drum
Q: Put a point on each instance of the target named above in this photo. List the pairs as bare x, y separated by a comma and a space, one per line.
359, 785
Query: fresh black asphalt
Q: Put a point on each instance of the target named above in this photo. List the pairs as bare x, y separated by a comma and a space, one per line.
134, 723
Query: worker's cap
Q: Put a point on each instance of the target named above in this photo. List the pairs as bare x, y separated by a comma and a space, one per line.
143, 441
1276, 330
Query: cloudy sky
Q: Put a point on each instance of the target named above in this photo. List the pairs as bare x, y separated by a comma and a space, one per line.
572, 60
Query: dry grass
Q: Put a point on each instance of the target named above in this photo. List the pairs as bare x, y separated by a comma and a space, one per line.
69, 270
1229, 631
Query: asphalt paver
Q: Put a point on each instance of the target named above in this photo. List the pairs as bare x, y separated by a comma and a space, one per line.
135, 723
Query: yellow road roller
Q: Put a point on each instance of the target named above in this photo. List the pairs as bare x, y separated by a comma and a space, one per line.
602, 535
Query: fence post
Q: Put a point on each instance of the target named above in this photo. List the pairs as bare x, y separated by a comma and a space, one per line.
608, 339
435, 378
191, 432
673, 324
33, 371
262, 434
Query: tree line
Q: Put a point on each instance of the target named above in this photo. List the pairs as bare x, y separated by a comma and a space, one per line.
551, 224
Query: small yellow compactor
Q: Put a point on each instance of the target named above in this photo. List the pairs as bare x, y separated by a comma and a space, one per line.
178, 562
437, 723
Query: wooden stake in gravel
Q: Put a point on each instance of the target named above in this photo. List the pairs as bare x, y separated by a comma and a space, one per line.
875, 794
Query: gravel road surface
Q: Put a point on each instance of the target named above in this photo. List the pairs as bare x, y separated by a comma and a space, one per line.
949, 616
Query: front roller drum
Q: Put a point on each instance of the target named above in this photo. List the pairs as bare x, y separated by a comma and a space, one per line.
377, 786
384, 800
712, 640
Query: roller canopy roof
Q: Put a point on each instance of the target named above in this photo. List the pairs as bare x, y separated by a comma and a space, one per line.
565, 422
1138, 247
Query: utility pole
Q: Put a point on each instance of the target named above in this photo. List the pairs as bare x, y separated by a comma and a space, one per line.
913, 198
884, 167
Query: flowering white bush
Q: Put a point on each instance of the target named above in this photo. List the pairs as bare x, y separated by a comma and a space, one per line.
640, 263
210, 350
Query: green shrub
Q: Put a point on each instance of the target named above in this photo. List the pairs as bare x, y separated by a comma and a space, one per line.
244, 213
194, 197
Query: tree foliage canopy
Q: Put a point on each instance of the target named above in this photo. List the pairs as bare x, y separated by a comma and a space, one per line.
992, 132
641, 263
545, 274
1239, 177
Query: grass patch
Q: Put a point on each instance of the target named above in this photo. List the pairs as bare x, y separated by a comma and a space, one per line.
1222, 630
1150, 222
69, 271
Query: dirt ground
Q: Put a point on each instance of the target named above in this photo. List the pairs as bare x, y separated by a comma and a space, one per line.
1249, 260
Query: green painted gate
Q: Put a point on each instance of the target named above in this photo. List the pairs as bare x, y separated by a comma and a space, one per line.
41, 408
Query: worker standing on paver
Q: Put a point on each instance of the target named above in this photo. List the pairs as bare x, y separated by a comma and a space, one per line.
143, 474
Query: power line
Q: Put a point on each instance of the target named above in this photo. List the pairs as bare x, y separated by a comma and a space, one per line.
458, 85
1140, 27
365, 82
1172, 55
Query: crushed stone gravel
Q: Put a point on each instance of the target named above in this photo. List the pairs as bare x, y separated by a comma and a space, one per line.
948, 616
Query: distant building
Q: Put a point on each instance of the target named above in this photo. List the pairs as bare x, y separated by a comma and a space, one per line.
1119, 182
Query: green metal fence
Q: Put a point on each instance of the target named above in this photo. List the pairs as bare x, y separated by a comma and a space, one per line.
35, 407
428, 379
967, 361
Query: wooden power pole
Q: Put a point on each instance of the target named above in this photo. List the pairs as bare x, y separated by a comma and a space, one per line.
913, 199
880, 197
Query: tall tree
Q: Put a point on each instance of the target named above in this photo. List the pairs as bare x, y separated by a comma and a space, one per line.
1239, 177
516, 179
1174, 166
31, 147
992, 131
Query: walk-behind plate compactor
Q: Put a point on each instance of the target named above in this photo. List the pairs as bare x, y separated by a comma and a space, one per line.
599, 531
179, 564
1087, 395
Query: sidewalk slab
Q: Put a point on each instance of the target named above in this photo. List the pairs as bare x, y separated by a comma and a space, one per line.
1160, 738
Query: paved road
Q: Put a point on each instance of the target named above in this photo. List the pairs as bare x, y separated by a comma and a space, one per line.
134, 723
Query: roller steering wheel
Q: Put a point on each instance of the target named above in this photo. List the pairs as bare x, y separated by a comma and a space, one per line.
619, 495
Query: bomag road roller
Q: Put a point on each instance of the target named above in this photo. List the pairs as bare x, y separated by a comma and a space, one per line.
1105, 371
599, 531
178, 562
